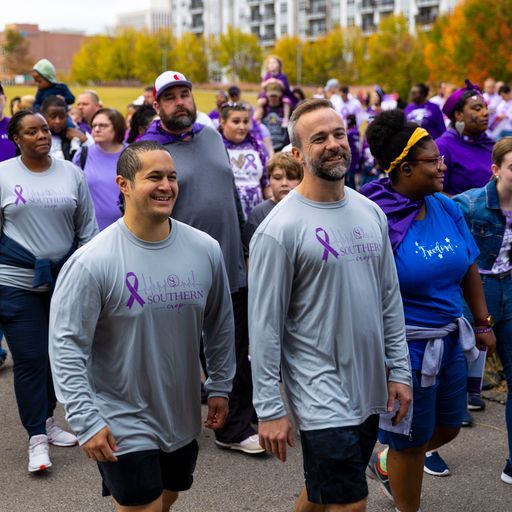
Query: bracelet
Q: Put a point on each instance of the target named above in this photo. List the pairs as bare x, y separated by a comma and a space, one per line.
481, 330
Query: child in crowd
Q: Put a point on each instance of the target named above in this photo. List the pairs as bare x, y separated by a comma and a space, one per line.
45, 77
65, 141
272, 113
274, 73
285, 173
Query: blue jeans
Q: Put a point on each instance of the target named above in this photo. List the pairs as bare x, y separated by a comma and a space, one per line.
24, 318
498, 294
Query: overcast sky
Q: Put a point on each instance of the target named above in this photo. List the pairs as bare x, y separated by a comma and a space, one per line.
91, 16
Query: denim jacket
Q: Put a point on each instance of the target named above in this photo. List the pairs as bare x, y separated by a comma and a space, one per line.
482, 211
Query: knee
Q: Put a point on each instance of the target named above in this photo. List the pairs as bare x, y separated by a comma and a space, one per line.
447, 434
412, 452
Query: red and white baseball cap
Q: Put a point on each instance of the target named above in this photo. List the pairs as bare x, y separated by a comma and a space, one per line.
169, 79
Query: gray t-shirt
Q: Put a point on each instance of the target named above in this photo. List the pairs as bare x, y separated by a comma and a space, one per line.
207, 198
324, 302
125, 325
44, 212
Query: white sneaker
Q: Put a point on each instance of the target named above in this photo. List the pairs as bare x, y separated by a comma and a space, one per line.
250, 445
38, 457
57, 436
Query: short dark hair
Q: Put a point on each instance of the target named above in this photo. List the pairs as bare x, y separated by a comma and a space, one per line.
304, 107
14, 123
129, 163
53, 101
290, 165
423, 88
344, 89
234, 90
504, 89
117, 120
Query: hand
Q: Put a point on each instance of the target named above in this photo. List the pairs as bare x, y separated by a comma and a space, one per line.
101, 446
274, 435
402, 393
75, 132
486, 340
217, 412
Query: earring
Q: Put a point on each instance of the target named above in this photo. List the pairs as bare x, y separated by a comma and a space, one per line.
459, 126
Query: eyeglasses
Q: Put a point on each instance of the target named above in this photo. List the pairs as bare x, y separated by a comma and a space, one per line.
439, 160
100, 126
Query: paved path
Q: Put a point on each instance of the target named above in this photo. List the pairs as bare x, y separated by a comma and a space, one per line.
234, 482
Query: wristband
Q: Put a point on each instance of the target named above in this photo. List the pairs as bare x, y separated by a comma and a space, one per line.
481, 330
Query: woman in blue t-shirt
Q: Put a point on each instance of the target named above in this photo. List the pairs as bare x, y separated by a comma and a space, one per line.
435, 258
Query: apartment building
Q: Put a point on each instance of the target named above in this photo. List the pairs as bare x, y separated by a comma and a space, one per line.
271, 19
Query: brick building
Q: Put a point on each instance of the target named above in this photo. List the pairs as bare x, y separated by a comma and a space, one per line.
59, 47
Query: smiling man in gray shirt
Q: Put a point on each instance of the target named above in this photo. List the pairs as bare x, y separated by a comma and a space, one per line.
125, 327
325, 307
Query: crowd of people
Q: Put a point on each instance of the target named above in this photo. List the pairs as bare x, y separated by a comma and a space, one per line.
141, 254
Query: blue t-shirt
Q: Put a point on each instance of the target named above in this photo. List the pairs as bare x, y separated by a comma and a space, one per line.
431, 261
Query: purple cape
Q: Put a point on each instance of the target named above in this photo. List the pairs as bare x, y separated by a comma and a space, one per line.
158, 134
400, 210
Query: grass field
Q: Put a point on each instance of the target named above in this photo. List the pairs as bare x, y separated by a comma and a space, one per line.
120, 97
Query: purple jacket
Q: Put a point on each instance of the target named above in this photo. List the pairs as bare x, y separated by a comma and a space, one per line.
428, 116
468, 161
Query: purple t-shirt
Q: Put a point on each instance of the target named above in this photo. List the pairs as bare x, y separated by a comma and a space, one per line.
428, 116
101, 171
467, 159
7, 147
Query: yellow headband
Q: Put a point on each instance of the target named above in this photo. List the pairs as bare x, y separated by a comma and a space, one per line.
417, 135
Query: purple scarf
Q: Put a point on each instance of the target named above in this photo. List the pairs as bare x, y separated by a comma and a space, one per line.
400, 210
157, 133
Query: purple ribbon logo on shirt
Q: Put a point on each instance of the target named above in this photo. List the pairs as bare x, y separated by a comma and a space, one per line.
325, 242
18, 189
251, 161
133, 289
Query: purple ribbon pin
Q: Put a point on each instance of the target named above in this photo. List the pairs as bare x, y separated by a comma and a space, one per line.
133, 290
325, 242
18, 189
251, 161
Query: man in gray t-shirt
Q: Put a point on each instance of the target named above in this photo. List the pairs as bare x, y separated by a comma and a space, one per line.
125, 328
325, 309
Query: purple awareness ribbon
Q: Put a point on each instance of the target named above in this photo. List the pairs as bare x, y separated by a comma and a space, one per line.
18, 189
325, 242
133, 290
251, 161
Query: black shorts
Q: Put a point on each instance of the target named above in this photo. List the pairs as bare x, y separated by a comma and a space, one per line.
138, 478
335, 461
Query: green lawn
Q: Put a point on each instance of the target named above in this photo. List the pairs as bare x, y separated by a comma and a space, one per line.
120, 97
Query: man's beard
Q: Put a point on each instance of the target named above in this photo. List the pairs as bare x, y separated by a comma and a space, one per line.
178, 123
330, 172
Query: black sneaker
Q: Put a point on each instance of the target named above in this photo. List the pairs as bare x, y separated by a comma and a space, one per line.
374, 472
435, 465
475, 403
506, 476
